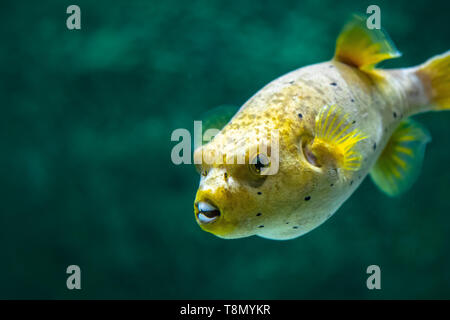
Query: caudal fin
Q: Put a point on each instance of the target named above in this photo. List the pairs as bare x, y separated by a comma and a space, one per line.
435, 74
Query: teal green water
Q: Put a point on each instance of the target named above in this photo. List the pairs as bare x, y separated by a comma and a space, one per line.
87, 179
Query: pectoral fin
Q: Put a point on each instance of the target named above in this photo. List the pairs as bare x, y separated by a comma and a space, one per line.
336, 139
399, 164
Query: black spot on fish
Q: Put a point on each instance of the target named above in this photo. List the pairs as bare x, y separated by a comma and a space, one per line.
259, 192
258, 214
333, 84
300, 115
354, 121
225, 175
291, 82
331, 184
374, 146
261, 226
287, 222
395, 114
352, 100
307, 198
351, 182
294, 227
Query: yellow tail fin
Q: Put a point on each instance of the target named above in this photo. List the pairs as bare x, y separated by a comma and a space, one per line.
363, 48
435, 74
399, 165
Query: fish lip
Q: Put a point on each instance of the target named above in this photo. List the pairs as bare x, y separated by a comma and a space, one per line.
207, 216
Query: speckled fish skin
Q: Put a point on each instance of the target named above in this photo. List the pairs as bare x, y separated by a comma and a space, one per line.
291, 104
335, 121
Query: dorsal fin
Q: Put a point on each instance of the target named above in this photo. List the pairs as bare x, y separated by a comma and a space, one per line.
399, 164
363, 48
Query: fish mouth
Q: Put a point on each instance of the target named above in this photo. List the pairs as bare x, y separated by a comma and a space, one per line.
206, 212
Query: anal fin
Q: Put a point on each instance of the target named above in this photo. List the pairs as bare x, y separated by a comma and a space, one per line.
400, 163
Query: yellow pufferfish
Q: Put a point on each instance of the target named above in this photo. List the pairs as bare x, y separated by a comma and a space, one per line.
337, 121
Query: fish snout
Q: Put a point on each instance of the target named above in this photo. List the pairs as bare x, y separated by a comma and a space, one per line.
214, 214
206, 212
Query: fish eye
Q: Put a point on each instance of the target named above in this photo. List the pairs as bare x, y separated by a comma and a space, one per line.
259, 164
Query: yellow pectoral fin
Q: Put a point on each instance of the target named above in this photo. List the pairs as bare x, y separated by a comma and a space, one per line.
335, 140
363, 48
400, 162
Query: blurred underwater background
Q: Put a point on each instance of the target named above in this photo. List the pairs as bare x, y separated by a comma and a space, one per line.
86, 174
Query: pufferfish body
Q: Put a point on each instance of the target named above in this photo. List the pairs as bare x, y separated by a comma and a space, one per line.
297, 149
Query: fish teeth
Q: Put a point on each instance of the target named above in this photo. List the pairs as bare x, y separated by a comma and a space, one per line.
205, 219
207, 212
205, 207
